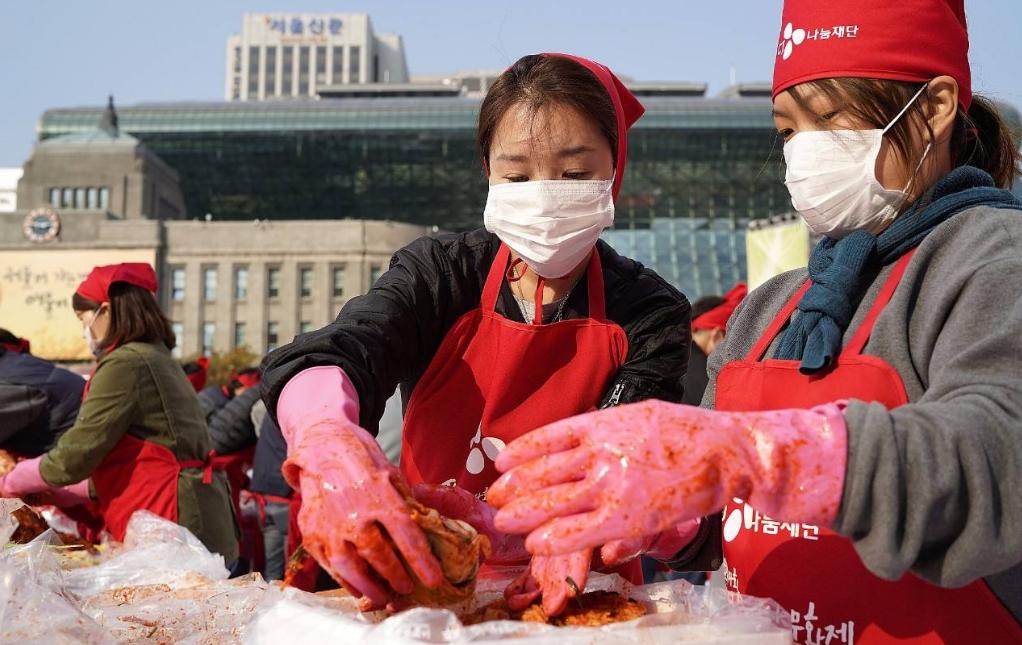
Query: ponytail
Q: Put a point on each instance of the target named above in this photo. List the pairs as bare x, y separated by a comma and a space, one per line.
982, 138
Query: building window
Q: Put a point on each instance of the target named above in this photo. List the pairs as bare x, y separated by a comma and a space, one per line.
355, 63
375, 271
320, 66
241, 283
303, 71
55, 197
376, 69
271, 71
272, 335
304, 327
208, 336
92, 199
337, 77
80, 198
177, 284
287, 71
253, 72
273, 283
338, 282
104, 198
179, 335
209, 284
67, 198
305, 282
239, 334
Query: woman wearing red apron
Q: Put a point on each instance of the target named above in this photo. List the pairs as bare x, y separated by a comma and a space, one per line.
865, 442
140, 437
490, 334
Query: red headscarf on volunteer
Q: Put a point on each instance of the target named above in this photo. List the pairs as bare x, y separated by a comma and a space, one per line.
717, 317
627, 110
899, 40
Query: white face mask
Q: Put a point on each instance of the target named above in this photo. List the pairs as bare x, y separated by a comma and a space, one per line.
831, 175
551, 225
87, 334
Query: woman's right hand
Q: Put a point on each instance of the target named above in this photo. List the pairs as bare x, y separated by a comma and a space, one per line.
354, 520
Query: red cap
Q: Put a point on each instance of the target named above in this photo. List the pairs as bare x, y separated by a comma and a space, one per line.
96, 286
717, 317
899, 40
248, 379
198, 378
626, 107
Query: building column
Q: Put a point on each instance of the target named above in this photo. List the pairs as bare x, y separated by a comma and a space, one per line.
257, 308
193, 309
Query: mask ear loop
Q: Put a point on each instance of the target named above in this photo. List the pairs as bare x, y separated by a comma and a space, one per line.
512, 274
906, 108
897, 118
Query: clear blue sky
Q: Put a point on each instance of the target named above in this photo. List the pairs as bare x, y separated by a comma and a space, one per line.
74, 52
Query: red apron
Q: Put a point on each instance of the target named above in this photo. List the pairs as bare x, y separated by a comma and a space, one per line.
813, 572
493, 379
137, 475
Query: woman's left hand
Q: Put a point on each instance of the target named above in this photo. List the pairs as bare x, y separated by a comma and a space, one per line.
557, 578
636, 470
23, 480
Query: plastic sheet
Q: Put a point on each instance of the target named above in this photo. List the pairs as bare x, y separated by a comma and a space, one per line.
679, 612
155, 552
163, 586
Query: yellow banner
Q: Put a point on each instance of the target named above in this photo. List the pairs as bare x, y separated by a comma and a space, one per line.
35, 296
774, 249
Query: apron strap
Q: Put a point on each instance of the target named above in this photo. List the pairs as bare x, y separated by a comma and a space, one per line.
759, 349
597, 295
858, 342
495, 280
205, 464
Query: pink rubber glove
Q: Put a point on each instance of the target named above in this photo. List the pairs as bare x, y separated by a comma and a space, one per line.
545, 576
558, 578
24, 479
64, 497
660, 546
350, 492
638, 469
459, 504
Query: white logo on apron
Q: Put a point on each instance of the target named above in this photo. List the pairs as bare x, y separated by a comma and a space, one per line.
482, 449
748, 518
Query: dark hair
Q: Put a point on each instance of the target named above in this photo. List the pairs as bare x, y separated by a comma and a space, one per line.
704, 304
135, 316
191, 367
8, 337
539, 81
980, 137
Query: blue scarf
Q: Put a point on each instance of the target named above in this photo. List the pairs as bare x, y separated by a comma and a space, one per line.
842, 270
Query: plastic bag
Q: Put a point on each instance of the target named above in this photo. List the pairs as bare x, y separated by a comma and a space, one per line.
163, 585
33, 606
166, 587
679, 612
209, 612
8, 525
156, 551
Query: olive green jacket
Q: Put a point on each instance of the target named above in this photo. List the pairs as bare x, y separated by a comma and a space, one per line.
139, 389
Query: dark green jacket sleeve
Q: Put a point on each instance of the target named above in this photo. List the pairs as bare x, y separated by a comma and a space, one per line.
105, 415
